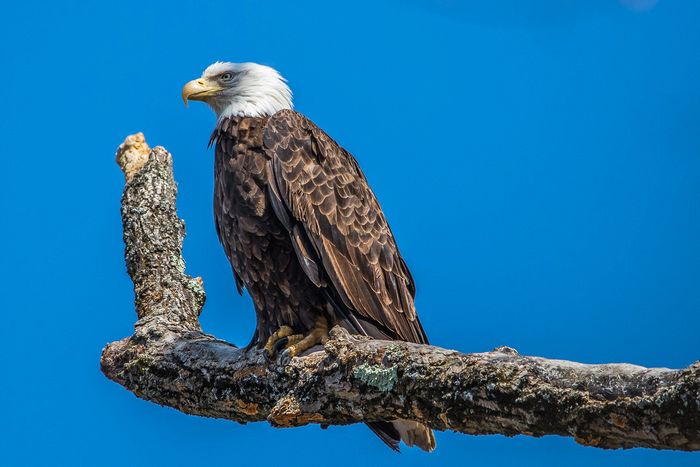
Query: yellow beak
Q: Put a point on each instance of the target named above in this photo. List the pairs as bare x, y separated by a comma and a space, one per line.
197, 90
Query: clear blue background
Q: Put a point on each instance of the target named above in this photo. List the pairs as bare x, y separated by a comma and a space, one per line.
539, 163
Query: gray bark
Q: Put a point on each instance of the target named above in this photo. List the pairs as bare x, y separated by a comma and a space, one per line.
170, 361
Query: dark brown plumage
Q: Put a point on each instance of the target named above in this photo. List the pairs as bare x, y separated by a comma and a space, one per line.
306, 236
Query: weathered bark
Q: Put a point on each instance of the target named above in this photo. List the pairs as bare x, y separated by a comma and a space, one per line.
170, 361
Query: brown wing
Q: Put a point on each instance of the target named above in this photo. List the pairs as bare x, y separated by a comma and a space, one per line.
337, 226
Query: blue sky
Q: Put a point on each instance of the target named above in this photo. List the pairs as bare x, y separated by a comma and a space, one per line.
538, 162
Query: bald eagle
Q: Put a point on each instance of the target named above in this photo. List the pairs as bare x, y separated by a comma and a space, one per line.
301, 227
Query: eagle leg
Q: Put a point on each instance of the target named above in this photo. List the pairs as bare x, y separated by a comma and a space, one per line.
318, 335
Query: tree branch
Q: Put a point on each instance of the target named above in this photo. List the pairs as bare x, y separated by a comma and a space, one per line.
170, 361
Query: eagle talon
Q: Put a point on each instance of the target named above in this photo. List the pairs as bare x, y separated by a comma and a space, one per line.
298, 343
271, 345
269, 355
280, 345
286, 357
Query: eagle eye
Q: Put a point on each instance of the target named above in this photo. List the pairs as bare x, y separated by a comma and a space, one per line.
226, 76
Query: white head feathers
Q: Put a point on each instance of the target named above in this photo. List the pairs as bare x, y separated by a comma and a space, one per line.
246, 89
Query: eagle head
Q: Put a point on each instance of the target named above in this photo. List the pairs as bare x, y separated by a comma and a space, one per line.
240, 89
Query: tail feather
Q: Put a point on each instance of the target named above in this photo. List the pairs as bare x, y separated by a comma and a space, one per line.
393, 432
411, 433
415, 434
387, 433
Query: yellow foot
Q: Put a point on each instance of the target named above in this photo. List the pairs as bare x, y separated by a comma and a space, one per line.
278, 339
318, 335
296, 344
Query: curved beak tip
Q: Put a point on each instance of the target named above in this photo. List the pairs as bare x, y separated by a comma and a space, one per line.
191, 90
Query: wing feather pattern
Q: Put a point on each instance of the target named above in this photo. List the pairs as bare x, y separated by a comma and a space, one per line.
337, 227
